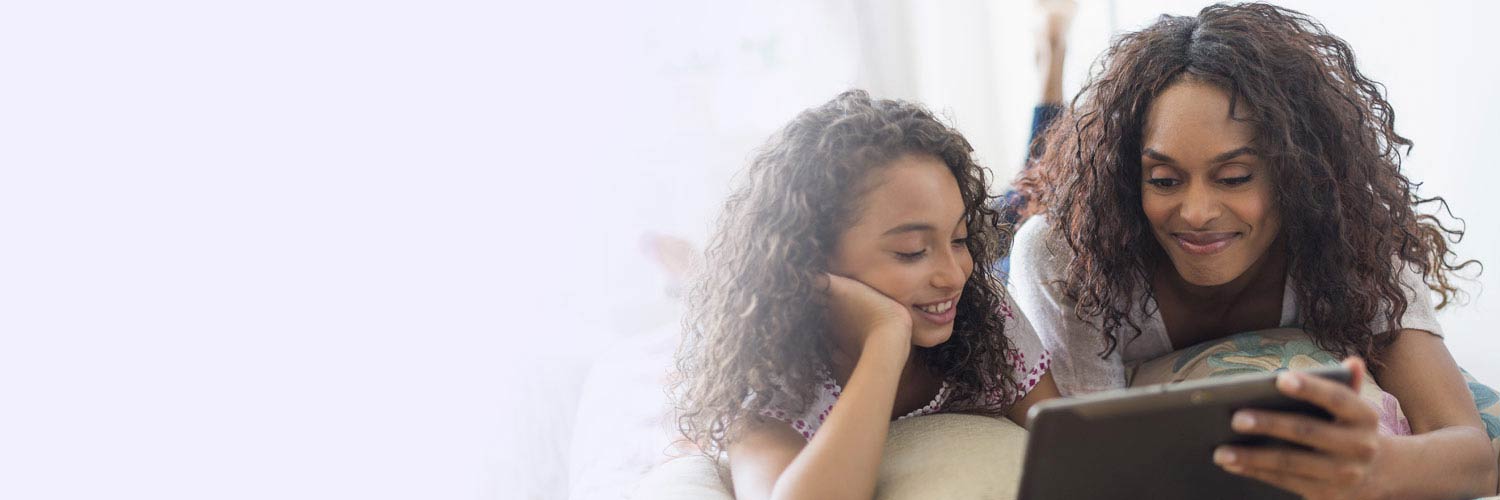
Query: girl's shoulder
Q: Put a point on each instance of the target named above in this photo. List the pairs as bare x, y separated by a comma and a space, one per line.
806, 418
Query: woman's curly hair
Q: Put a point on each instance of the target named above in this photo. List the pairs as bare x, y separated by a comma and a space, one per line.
1326, 132
756, 319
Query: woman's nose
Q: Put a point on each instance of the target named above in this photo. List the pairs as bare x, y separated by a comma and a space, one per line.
1200, 206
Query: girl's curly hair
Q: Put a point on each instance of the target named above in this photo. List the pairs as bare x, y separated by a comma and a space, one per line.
1326, 132
756, 318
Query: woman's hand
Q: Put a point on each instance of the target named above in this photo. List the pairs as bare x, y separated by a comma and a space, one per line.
1349, 458
859, 314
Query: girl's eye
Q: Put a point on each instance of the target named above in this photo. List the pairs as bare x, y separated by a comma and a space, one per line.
1164, 182
911, 256
1235, 181
961, 242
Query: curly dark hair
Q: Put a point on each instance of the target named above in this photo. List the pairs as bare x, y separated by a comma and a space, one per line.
756, 319
1326, 132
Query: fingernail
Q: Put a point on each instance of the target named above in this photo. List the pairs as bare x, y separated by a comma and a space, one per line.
1223, 456
1290, 382
1243, 421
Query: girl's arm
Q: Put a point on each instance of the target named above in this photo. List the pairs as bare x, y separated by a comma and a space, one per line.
1448, 456
843, 458
1045, 389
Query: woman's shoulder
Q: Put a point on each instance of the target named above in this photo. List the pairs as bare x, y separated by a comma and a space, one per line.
1036, 251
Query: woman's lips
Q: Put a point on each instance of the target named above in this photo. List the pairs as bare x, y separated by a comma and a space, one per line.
1205, 243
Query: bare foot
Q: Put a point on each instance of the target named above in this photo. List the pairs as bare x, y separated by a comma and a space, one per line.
674, 255
1052, 45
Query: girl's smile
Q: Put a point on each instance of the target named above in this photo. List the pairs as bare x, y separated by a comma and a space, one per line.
938, 313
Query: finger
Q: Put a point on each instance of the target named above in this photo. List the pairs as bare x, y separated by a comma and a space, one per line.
1302, 486
1356, 366
1340, 400
1307, 431
1315, 466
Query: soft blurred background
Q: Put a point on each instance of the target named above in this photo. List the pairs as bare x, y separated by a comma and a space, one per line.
337, 249
720, 77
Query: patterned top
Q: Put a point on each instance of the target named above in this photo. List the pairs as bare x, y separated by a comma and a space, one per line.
1025, 346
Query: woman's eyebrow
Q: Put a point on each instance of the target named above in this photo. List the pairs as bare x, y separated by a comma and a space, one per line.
1232, 154
1221, 157
1157, 155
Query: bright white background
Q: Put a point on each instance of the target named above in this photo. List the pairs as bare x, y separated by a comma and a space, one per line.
338, 249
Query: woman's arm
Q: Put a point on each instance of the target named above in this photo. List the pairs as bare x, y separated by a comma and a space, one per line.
1448, 451
843, 458
1448, 456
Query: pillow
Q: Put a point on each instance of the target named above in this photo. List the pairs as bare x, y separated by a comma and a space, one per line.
1290, 348
688, 477
934, 456
1489, 408
951, 455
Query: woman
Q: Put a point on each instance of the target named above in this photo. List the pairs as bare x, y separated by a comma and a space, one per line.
1231, 172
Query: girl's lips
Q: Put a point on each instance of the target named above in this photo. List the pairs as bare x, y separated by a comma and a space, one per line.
1204, 243
942, 318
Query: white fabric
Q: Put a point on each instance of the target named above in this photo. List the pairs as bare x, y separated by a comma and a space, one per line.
1038, 265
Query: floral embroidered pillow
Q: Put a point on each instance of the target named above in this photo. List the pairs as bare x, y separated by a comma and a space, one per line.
1287, 349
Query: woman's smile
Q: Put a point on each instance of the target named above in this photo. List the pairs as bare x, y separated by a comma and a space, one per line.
1206, 243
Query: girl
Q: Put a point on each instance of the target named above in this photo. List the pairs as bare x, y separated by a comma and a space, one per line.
1234, 171
848, 285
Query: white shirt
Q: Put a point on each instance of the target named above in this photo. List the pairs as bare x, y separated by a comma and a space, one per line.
1036, 267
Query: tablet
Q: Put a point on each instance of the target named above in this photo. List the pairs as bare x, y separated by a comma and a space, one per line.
1153, 442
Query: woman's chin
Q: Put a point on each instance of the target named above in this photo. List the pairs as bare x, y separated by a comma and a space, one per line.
1206, 272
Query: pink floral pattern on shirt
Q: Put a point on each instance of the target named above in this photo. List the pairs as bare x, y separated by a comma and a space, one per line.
1026, 377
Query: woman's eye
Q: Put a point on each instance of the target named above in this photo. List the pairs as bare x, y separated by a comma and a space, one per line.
1235, 181
1164, 182
912, 255
961, 242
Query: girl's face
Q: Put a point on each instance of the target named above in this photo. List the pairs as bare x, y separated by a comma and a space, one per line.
1204, 189
909, 243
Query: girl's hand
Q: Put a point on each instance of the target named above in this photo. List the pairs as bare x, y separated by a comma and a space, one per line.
1349, 457
859, 314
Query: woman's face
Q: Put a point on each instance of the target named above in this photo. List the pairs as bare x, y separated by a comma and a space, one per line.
908, 242
1205, 190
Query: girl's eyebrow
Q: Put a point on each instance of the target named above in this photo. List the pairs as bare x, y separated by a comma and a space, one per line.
916, 226
909, 227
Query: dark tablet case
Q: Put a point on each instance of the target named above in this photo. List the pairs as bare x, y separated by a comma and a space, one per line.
1154, 442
